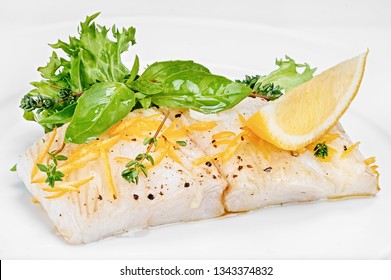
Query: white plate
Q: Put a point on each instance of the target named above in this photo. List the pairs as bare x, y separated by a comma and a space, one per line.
350, 229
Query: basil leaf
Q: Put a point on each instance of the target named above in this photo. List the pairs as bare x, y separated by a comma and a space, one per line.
200, 91
61, 117
158, 71
150, 82
100, 107
145, 102
186, 84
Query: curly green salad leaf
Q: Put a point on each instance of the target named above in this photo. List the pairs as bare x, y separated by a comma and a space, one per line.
94, 57
286, 77
89, 58
91, 89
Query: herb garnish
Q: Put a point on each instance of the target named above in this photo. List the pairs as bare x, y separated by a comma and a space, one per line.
88, 85
88, 59
134, 167
50, 169
149, 140
39, 102
268, 91
65, 99
13, 169
321, 150
279, 81
181, 143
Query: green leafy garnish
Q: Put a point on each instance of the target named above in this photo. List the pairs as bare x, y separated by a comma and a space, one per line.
60, 117
321, 150
53, 175
181, 143
281, 80
133, 167
150, 140
103, 105
36, 102
269, 91
92, 89
13, 169
186, 84
93, 57
90, 58
152, 79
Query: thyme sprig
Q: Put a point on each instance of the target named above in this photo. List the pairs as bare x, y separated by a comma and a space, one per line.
181, 143
67, 95
53, 175
134, 167
268, 91
321, 150
39, 102
32, 102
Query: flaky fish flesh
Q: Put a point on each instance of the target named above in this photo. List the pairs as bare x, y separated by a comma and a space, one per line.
204, 166
259, 174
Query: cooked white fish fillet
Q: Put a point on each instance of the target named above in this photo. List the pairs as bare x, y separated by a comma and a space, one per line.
94, 201
260, 174
220, 167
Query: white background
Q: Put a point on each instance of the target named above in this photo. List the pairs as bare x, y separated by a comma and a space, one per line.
232, 38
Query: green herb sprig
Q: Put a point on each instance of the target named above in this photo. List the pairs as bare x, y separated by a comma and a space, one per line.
181, 143
53, 175
321, 150
267, 91
66, 95
62, 99
134, 167
39, 102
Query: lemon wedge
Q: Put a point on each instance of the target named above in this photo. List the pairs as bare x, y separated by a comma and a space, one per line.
308, 111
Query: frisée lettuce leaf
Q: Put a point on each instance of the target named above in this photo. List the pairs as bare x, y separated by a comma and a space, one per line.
90, 58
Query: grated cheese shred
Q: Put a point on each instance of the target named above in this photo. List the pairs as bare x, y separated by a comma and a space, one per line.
370, 160
44, 153
125, 130
108, 174
349, 150
62, 188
